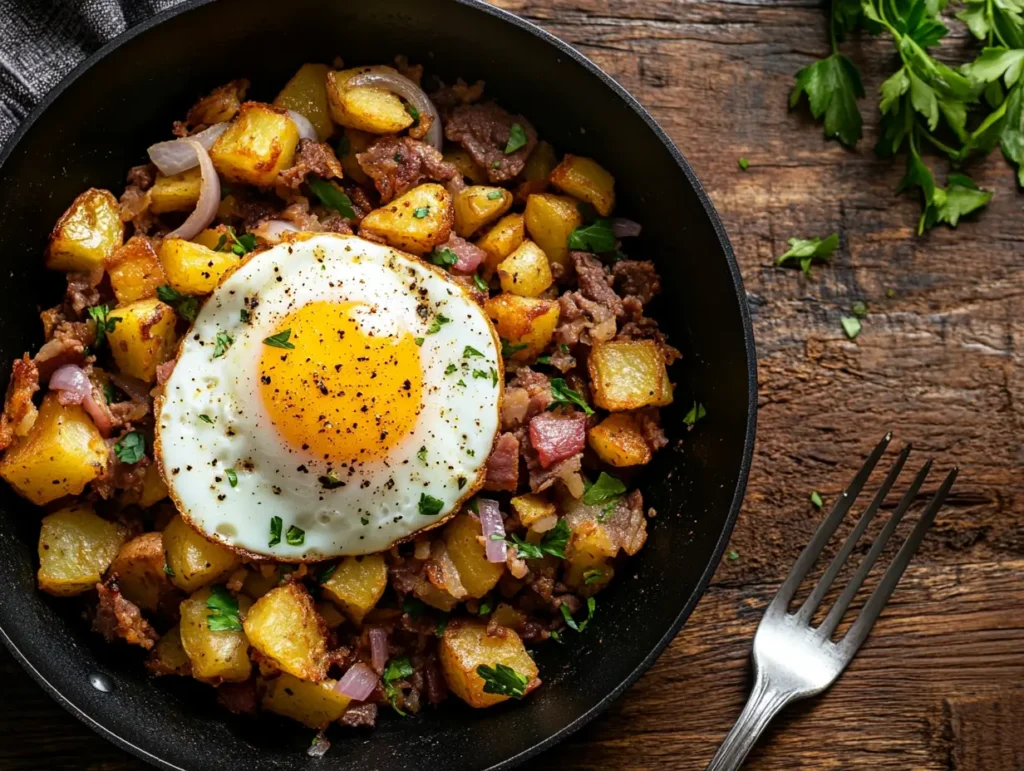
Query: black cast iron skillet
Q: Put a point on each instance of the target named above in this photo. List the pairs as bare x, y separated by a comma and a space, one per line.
96, 124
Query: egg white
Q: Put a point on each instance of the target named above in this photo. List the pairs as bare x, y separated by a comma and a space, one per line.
379, 504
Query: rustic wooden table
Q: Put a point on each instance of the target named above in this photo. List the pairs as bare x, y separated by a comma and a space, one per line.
940, 684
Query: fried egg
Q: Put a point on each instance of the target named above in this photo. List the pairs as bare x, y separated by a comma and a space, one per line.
334, 396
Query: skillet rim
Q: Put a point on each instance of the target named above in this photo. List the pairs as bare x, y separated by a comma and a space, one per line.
748, 344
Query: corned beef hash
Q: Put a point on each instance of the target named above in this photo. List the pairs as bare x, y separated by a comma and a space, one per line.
339, 410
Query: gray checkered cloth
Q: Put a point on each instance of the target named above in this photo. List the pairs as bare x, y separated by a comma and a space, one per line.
42, 40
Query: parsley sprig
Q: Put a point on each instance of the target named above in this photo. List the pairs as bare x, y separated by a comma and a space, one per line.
397, 669
807, 250
223, 615
563, 396
187, 307
104, 324
503, 680
552, 543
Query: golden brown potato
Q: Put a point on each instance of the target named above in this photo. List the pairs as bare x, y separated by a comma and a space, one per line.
87, 233
525, 272
528, 321
533, 508
62, 453
192, 268
135, 270
333, 618
507, 616
466, 646
315, 705
500, 241
537, 170
144, 337
211, 238
629, 374
260, 580
416, 222
618, 441
463, 161
194, 560
139, 567
306, 94
154, 489
357, 584
587, 180
217, 655
435, 597
168, 656
283, 626
369, 109
75, 548
357, 141
259, 143
588, 559
478, 205
179, 192
550, 220
461, 537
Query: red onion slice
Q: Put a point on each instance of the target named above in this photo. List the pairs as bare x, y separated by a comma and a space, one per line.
73, 384
492, 524
358, 683
177, 155
306, 130
209, 198
623, 228
273, 231
378, 649
389, 80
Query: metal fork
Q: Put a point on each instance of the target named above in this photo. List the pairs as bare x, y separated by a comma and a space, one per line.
792, 659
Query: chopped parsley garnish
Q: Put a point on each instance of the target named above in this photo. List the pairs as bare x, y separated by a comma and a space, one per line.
494, 195
331, 197
131, 448
206, 418
485, 608
851, 326
414, 113
441, 626
450, 369
503, 680
104, 324
280, 340
422, 454
295, 536
397, 669
330, 480
591, 576
439, 321
743, 163
859, 309
816, 499
480, 283
187, 307
429, 505
240, 245
232, 476
326, 573
571, 623
495, 164
469, 352
414, 606
507, 348
343, 147
733, 555
565, 396
223, 616
479, 373
421, 212
596, 237
494, 376
606, 489
276, 524
168, 570
804, 251
418, 340
109, 393
696, 412
243, 315
516, 139
444, 257
222, 342
553, 542
545, 359
461, 382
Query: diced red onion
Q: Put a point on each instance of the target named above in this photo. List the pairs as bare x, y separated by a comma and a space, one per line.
306, 130
177, 155
450, 580
275, 230
384, 77
358, 683
72, 382
209, 198
623, 228
492, 524
378, 649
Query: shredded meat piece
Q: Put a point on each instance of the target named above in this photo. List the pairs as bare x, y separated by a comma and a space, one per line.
595, 282
116, 618
398, 164
142, 176
316, 158
649, 421
119, 475
583, 321
567, 471
360, 715
638, 279
66, 346
627, 525
460, 93
484, 129
163, 371
134, 208
252, 210
433, 683
561, 360
82, 292
239, 698
514, 407
19, 413
537, 385
503, 464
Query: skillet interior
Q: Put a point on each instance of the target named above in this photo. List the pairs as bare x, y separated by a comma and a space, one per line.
96, 125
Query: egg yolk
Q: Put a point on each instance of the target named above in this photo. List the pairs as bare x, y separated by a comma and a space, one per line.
341, 394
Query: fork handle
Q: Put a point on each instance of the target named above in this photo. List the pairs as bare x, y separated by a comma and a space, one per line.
764, 703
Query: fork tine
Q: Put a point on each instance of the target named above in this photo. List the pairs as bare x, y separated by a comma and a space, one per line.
814, 599
825, 530
873, 607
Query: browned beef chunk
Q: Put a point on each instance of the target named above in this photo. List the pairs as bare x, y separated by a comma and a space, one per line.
398, 164
19, 413
637, 278
142, 176
117, 618
649, 420
583, 321
595, 281
460, 93
316, 158
484, 129
503, 464
640, 327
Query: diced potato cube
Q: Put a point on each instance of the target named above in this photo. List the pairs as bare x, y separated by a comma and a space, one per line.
463, 161
416, 222
284, 626
139, 567
143, 338
477, 205
87, 233
533, 508
62, 453
193, 559
501, 240
357, 584
370, 109
168, 656
588, 558
357, 142
462, 539
306, 94
333, 618
506, 615
629, 374
315, 705
135, 270
550, 220
585, 179
75, 548
537, 170
259, 143
467, 646
154, 489
527, 321
435, 597
618, 441
526, 272
211, 238
179, 192
193, 268
216, 656
260, 580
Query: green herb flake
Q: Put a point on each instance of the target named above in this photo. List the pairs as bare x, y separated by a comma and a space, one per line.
597, 237
494, 376
104, 324
696, 412
480, 283
485, 608
244, 315
516, 138
422, 454
222, 342
430, 506
479, 373
743, 163
439, 321
421, 212
206, 418
860, 309
131, 448
508, 349
326, 573
332, 197
816, 499
503, 680
469, 352
605, 490
804, 251
187, 307
733, 555
414, 606
414, 113
280, 340
418, 340
592, 576
232, 476
295, 536
109, 393
223, 616
442, 625
168, 571
444, 257
494, 195
851, 326
276, 525
571, 622
562, 396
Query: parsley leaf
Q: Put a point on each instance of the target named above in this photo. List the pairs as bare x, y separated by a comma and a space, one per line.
596, 237
591, 576
562, 395
859, 309
276, 524
571, 623
131, 448
444, 257
104, 324
240, 245
469, 352
295, 536
422, 454
187, 307
421, 212
414, 606
331, 197
439, 321
232, 476
206, 418
480, 283
280, 340
816, 499
507, 348
503, 680
397, 669
109, 393
430, 506
851, 326
806, 250
832, 86
743, 163
607, 488
494, 195
222, 343
696, 412
414, 113
450, 369
516, 138
223, 616
168, 571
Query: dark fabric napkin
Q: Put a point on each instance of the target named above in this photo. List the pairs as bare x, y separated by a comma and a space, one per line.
42, 40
